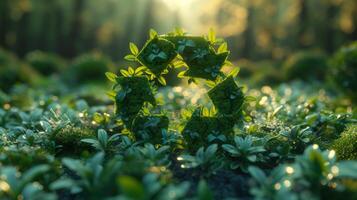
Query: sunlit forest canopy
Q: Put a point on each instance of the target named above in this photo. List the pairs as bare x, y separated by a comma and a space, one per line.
255, 29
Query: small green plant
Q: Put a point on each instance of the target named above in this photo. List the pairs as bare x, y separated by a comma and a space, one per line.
95, 177
298, 138
205, 160
17, 185
156, 157
314, 174
245, 152
103, 142
270, 186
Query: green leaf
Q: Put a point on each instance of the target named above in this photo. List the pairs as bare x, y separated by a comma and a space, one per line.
257, 174
205, 111
133, 48
179, 31
234, 72
62, 184
204, 192
103, 137
152, 33
89, 141
33, 172
111, 76
347, 169
228, 63
211, 150
249, 98
212, 36
140, 69
223, 47
98, 118
72, 164
210, 84
120, 96
130, 57
131, 71
111, 95
230, 149
131, 187
124, 73
162, 80
179, 63
181, 74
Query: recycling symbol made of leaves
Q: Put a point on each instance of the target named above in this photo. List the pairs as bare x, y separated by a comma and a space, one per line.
133, 89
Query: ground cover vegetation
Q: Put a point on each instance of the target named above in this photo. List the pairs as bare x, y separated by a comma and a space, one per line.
64, 134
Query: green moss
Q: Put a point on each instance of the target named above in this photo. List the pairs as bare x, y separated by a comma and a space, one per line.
157, 55
344, 69
45, 63
149, 128
69, 138
346, 145
134, 92
227, 97
305, 66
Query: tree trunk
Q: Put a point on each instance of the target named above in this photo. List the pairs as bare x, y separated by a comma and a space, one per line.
75, 28
248, 34
4, 14
303, 23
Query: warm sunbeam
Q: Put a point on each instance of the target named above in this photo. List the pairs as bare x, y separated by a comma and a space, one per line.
178, 4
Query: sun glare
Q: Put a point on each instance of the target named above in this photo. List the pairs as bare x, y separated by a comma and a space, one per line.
178, 4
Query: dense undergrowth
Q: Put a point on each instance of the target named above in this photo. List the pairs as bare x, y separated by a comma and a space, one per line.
211, 139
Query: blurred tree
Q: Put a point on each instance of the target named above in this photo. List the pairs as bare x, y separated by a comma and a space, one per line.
75, 28
256, 29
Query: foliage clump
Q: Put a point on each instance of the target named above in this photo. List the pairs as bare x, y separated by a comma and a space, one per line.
227, 97
130, 99
90, 67
150, 128
306, 65
157, 54
201, 130
25, 157
201, 60
12, 71
200, 56
45, 63
344, 69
